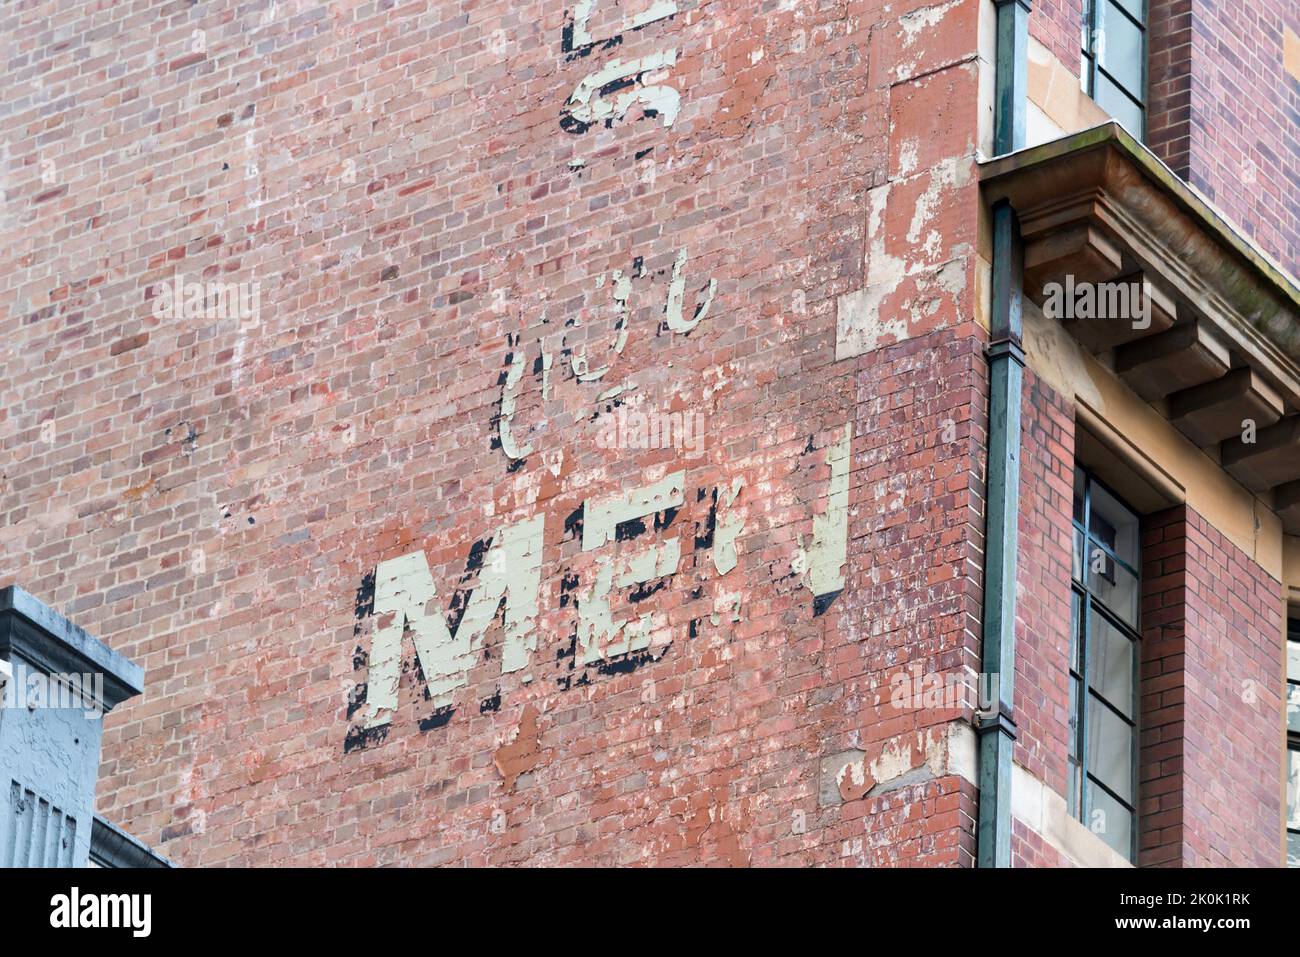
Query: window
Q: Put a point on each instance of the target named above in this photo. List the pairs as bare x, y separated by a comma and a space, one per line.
1104, 664
1293, 743
1113, 70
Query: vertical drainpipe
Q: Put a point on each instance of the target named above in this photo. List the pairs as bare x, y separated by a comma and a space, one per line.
996, 727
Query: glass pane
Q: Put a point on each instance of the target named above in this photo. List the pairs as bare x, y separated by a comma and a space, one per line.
1074, 719
1121, 51
1293, 708
1114, 526
1293, 850
1115, 102
1115, 585
1134, 7
1110, 665
1076, 645
1293, 790
1080, 480
1293, 660
1085, 25
1072, 786
1109, 820
1077, 565
1110, 749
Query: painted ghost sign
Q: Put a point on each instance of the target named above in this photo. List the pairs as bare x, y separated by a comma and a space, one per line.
634, 542
610, 91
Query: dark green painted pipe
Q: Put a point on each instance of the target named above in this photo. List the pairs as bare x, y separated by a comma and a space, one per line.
996, 727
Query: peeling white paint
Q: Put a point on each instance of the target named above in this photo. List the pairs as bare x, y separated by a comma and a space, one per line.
583, 9
676, 293
859, 327
546, 375
614, 392
729, 526
587, 106
952, 173
731, 603
908, 156
602, 516
620, 291
914, 25
407, 598
826, 556
904, 760
599, 635
505, 431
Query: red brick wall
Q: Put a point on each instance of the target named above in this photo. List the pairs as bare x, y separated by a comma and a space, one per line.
1042, 701
1169, 82
1055, 24
1211, 707
922, 411
209, 496
1030, 849
1225, 114
1162, 696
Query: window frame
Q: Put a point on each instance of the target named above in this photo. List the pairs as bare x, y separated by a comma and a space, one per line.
1090, 58
1090, 604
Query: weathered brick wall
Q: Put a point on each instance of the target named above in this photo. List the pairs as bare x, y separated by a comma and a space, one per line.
922, 410
1211, 699
437, 242
1225, 111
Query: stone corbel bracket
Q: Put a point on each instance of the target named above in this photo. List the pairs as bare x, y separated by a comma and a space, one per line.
1220, 344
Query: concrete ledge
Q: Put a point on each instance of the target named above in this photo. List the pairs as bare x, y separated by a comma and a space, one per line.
1217, 344
110, 846
38, 634
1046, 813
